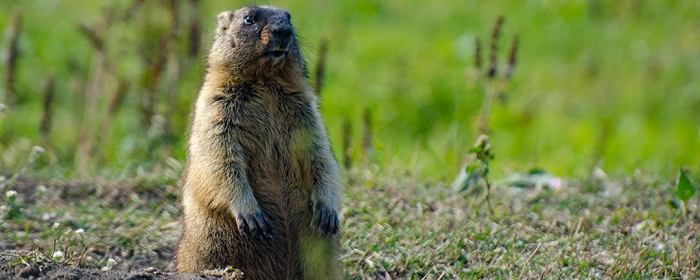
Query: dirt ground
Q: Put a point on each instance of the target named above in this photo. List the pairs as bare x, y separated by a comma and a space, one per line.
22, 265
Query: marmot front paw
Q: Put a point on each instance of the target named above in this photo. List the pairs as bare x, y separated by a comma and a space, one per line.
256, 223
325, 219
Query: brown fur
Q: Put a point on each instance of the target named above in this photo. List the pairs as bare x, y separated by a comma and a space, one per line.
258, 155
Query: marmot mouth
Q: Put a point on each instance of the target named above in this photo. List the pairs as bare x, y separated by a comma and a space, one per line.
277, 54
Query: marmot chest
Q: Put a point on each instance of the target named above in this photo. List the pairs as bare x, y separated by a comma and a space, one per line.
275, 131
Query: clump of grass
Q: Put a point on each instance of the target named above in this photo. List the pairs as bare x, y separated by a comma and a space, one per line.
68, 245
495, 35
194, 34
493, 87
479, 170
512, 59
320, 66
133, 8
12, 55
11, 209
67, 248
367, 137
161, 55
33, 156
347, 152
85, 145
115, 104
45, 126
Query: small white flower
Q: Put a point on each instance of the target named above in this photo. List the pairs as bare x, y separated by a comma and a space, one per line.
55, 225
57, 256
109, 265
48, 216
80, 231
3, 179
38, 149
41, 189
10, 193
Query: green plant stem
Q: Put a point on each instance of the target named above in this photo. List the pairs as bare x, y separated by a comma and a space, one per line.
485, 110
30, 162
489, 93
684, 209
488, 195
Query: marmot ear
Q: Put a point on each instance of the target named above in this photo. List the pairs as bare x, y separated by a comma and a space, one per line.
223, 22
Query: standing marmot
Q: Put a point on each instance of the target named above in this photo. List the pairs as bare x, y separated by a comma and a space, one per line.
261, 191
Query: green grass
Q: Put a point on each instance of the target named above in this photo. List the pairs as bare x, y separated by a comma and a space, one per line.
608, 84
397, 227
585, 67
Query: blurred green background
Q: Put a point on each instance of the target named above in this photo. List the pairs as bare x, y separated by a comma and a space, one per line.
598, 83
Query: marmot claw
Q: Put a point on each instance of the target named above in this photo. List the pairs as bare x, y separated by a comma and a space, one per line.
257, 223
325, 220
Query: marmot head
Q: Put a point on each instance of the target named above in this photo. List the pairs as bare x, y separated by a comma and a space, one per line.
256, 41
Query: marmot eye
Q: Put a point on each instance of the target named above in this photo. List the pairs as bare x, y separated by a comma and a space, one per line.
248, 19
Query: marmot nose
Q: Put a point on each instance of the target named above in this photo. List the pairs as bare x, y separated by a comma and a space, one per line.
282, 32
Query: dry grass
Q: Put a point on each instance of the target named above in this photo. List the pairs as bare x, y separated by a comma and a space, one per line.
405, 229
395, 228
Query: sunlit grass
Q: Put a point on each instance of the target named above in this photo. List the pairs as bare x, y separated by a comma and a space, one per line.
607, 84
582, 65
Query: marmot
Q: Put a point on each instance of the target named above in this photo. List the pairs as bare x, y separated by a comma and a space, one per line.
261, 190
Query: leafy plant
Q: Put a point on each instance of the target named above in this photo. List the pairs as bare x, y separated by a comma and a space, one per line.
69, 246
11, 210
477, 170
684, 191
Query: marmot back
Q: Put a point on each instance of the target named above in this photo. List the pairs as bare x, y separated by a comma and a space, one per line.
261, 190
